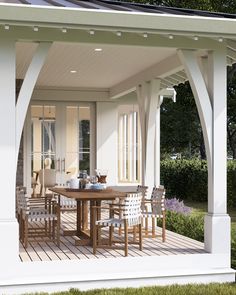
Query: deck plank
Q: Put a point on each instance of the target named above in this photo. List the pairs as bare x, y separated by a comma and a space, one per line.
47, 250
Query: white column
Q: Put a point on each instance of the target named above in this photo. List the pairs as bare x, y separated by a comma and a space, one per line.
209, 88
8, 224
217, 221
148, 100
142, 97
157, 159
151, 113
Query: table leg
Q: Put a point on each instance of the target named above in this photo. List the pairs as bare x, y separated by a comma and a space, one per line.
78, 218
84, 215
92, 203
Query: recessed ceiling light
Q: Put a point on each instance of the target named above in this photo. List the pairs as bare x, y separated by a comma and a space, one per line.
98, 49
73, 71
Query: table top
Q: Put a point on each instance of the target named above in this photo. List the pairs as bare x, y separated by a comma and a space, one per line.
106, 194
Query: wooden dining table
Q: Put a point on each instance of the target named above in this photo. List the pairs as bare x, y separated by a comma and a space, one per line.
82, 197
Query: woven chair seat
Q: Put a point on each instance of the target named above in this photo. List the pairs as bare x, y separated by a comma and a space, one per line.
151, 214
67, 203
41, 217
111, 222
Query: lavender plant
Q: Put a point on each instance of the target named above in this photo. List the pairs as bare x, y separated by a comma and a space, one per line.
177, 206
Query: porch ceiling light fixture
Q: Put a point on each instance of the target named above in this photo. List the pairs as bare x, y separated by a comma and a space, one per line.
118, 33
35, 28
64, 30
220, 39
195, 38
145, 35
98, 49
6, 27
73, 71
170, 36
91, 32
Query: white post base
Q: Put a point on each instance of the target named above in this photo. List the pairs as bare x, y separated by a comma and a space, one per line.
9, 233
217, 234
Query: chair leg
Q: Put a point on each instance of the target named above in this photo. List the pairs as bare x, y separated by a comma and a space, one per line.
111, 229
140, 238
26, 233
134, 233
94, 239
153, 227
146, 226
163, 228
126, 237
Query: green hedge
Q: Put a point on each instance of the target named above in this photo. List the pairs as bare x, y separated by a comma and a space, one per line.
187, 180
187, 225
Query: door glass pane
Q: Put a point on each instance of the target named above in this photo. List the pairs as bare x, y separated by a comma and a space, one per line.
84, 138
43, 140
77, 139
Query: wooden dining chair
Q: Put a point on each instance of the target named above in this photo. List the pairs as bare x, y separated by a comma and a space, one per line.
155, 209
130, 216
47, 178
48, 218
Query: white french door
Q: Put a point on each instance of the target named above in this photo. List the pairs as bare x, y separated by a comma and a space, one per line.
62, 137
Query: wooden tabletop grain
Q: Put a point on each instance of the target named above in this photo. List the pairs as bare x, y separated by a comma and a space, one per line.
107, 194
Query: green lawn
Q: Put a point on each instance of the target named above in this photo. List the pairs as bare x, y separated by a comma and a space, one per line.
210, 289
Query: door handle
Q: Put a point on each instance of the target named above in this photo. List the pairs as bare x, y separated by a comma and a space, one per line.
58, 168
63, 164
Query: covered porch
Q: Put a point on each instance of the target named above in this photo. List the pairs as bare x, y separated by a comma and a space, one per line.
119, 64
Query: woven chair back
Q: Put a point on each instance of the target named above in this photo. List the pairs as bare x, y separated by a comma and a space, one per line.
158, 200
132, 208
142, 189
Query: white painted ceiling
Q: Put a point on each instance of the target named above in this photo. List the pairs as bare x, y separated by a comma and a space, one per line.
103, 69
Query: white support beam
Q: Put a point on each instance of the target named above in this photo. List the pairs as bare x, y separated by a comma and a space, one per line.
182, 74
151, 112
178, 78
167, 83
208, 84
231, 53
148, 100
28, 87
142, 97
231, 44
201, 96
162, 69
217, 221
8, 225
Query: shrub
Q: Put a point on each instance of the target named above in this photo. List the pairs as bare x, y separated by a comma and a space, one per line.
187, 180
177, 206
187, 225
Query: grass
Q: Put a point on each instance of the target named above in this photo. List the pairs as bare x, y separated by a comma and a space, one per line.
210, 289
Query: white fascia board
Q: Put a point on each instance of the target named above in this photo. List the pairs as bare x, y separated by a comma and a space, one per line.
178, 24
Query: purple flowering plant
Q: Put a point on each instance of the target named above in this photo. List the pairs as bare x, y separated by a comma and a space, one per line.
177, 206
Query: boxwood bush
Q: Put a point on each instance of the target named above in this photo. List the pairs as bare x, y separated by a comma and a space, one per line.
187, 180
187, 225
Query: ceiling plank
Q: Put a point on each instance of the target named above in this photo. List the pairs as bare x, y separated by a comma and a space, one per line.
161, 70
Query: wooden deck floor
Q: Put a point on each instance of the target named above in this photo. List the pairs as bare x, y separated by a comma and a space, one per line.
45, 251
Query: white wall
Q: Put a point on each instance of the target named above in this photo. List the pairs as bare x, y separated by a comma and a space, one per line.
107, 151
